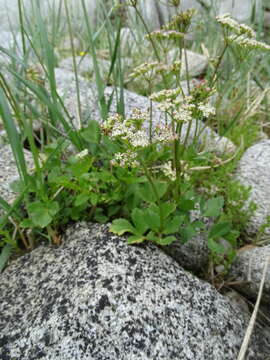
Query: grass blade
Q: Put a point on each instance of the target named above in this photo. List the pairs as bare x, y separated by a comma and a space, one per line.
5, 255
99, 82
13, 137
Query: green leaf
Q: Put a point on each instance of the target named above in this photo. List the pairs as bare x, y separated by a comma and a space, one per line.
161, 188
152, 237
136, 239
121, 226
26, 223
81, 199
53, 207
110, 145
197, 224
213, 207
138, 216
94, 198
101, 218
112, 210
232, 237
17, 186
167, 209
92, 132
172, 225
186, 204
80, 166
153, 207
152, 219
145, 192
188, 233
220, 229
42, 213
167, 240
215, 247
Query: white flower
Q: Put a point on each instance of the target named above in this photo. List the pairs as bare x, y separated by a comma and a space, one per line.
165, 35
119, 130
245, 29
168, 171
166, 106
139, 138
125, 159
227, 22
247, 43
148, 69
163, 134
130, 130
207, 110
165, 95
183, 115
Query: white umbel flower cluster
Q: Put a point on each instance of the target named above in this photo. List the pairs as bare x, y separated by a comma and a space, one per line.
148, 70
163, 134
169, 171
171, 102
137, 138
165, 95
244, 36
165, 35
183, 115
125, 159
129, 129
207, 110
240, 29
248, 44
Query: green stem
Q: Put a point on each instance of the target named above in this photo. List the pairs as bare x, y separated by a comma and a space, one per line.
151, 121
177, 165
148, 175
176, 161
186, 66
23, 45
151, 40
214, 77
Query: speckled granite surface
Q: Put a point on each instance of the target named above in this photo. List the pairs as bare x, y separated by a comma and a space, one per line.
248, 271
254, 172
95, 297
9, 172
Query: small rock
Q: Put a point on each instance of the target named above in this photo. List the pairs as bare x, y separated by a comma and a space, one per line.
248, 269
197, 63
85, 65
254, 171
238, 303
